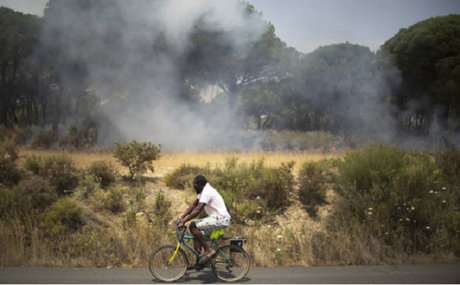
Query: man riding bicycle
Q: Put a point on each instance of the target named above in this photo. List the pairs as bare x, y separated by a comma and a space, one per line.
218, 216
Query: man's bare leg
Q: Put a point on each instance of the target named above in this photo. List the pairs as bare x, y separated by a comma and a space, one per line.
200, 238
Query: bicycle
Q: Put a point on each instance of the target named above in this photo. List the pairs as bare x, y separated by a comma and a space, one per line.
230, 263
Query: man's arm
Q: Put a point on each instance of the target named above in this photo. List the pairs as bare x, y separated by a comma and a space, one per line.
195, 212
189, 210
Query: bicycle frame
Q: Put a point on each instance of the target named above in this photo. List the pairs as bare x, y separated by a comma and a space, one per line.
183, 239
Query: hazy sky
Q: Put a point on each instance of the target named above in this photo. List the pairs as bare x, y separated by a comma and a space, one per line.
308, 24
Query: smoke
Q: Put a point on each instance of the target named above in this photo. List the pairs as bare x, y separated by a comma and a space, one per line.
133, 54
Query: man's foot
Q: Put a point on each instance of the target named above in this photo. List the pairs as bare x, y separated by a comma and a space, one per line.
207, 256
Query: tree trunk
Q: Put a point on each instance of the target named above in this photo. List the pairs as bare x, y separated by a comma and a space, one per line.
57, 109
35, 107
44, 103
80, 91
3, 112
443, 124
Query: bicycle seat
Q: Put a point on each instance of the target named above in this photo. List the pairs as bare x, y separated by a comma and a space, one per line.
217, 233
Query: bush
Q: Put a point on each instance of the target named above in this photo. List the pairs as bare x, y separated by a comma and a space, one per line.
182, 177
397, 198
64, 216
312, 186
161, 209
111, 199
136, 156
104, 171
6, 202
9, 174
374, 164
88, 186
448, 162
36, 192
62, 172
33, 164
44, 140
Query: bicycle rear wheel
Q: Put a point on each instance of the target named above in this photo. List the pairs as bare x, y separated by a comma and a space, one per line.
231, 263
158, 263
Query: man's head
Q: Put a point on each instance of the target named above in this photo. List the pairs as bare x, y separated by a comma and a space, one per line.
198, 183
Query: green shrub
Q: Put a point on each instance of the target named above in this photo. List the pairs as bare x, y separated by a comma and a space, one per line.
374, 164
161, 209
33, 164
62, 172
312, 186
139, 194
111, 199
9, 174
182, 177
44, 140
6, 202
136, 156
64, 216
399, 198
448, 162
104, 171
36, 192
88, 186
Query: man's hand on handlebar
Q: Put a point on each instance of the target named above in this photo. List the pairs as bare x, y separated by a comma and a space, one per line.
180, 224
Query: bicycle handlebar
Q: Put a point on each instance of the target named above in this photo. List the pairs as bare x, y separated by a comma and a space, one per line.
181, 237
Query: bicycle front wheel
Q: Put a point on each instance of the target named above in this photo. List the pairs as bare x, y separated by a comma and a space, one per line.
165, 269
230, 263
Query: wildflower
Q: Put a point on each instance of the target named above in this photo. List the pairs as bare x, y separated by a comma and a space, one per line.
431, 191
400, 220
444, 188
279, 236
290, 193
435, 192
413, 208
407, 219
370, 209
427, 228
258, 212
369, 213
278, 249
258, 197
259, 207
268, 226
444, 201
386, 233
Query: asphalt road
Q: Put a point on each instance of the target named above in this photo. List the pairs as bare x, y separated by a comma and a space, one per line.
420, 274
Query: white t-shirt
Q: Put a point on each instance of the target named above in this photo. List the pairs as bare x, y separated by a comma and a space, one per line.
215, 205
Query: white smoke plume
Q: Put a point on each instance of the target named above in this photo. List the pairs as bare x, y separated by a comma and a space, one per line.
114, 41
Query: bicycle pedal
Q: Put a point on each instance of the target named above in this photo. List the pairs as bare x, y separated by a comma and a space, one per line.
198, 267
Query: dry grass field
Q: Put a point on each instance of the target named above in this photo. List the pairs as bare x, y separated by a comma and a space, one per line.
172, 160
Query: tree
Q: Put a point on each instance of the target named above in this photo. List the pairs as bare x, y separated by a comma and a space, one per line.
260, 100
330, 88
427, 54
18, 34
136, 156
216, 59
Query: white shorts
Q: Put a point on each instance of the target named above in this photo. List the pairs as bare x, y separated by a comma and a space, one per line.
209, 224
